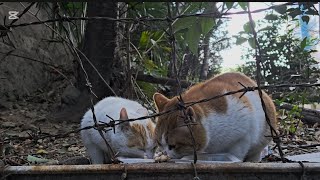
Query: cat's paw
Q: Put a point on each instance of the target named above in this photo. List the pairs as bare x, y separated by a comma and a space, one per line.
161, 157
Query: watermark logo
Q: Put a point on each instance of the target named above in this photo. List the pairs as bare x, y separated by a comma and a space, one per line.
13, 15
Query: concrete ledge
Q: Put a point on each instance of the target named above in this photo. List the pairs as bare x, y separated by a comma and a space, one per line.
165, 171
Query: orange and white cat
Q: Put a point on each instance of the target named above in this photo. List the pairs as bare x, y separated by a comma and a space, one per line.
131, 139
225, 125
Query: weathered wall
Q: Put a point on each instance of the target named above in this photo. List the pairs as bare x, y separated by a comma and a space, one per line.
20, 77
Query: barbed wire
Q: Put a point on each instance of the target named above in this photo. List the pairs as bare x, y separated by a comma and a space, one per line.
116, 122
108, 126
274, 133
140, 19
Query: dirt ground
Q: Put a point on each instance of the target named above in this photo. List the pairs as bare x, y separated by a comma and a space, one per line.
28, 118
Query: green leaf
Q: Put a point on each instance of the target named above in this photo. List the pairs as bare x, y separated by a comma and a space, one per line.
268, 28
247, 27
148, 88
292, 129
303, 43
149, 65
312, 12
281, 9
193, 8
145, 36
36, 160
305, 19
206, 25
240, 40
243, 5
229, 4
252, 42
271, 17
184, 23
192, 38
278, 102
295, 12
167, 49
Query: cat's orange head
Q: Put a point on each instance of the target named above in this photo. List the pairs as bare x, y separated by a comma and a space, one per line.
139, 136
171, 133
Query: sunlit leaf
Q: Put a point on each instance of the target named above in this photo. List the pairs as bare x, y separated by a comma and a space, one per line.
144, 38
206, 25
241, 40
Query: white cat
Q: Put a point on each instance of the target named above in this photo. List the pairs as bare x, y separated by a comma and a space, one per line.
132, 139
229, 124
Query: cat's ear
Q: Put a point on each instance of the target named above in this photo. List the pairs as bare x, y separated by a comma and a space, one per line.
191, 114
124, 116
160, 101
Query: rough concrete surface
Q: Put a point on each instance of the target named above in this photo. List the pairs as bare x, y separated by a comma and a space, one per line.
21, 76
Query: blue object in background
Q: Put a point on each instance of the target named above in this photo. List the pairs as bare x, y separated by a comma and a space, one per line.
304, 28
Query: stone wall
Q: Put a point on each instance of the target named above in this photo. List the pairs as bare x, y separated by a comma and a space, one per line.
22, 76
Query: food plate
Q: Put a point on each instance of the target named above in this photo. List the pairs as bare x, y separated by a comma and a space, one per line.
210, 158
135, 160
202, 158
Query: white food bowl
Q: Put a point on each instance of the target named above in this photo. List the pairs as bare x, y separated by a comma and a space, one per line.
135, 160
202, 158
210, 158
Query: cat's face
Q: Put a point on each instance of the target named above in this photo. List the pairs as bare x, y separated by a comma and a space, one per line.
171, 133
139, 137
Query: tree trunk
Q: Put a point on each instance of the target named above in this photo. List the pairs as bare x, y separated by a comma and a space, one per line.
99, 46
206, 49
186, 64
205, 64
